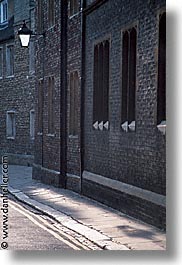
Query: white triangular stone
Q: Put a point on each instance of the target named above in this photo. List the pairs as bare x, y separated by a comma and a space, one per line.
101, 126
132, 126
162, 127
96, 125
124, 126
106, 125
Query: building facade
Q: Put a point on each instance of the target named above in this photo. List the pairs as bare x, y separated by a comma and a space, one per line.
124, 123
57, 137
17, 83
100, 102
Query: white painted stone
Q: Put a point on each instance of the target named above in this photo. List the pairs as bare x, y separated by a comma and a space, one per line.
162, 127
126, 188
106, 125
124, 126
101, 126
132, 126
96, 125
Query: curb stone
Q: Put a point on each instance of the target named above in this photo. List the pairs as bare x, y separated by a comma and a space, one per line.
91, 234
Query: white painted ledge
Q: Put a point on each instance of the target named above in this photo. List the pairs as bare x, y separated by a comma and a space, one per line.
126, 188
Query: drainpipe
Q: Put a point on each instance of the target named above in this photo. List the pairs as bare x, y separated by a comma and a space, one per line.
43, 88
82, 94
63, 95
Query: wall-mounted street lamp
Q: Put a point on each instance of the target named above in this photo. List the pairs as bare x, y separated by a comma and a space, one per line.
24, 34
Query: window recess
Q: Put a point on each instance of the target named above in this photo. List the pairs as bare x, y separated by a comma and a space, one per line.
161, 90
101, 86
129, 45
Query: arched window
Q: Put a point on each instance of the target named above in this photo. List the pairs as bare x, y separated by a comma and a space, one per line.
124, 101
40, 105
74, 87
73, 7
101, 83
51, 12
129, 44
40, 16
51, 105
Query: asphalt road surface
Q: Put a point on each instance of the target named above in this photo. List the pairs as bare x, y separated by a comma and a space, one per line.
29, 229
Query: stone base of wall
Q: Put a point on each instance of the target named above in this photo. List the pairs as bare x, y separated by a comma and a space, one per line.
138, 203
142, 204
19, 159
73, 183
45, 175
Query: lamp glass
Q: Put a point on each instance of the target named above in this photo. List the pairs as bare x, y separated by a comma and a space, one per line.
24, 38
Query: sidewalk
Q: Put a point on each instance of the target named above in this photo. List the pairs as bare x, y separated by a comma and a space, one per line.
105, 226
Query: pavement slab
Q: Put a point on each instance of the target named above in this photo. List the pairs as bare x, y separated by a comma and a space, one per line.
108, 228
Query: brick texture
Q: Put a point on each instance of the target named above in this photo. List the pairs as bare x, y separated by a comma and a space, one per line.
47, 148
17, 92
74, 64
137, 158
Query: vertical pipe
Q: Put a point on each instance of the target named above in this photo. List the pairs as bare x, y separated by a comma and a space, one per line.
82, 94
63, 95
43, 74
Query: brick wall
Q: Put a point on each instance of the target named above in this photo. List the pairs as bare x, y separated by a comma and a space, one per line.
48, 54
74, 64
17, 94
137, 158
47, 148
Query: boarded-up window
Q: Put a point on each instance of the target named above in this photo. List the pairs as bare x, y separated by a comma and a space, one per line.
129, 43
10, 60
124, 101
74, 86
51, 105
161, 93
51, 12
73, 7
101, 82
40, 105
40, 15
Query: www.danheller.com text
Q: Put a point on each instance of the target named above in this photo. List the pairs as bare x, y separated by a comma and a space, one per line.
4, 202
